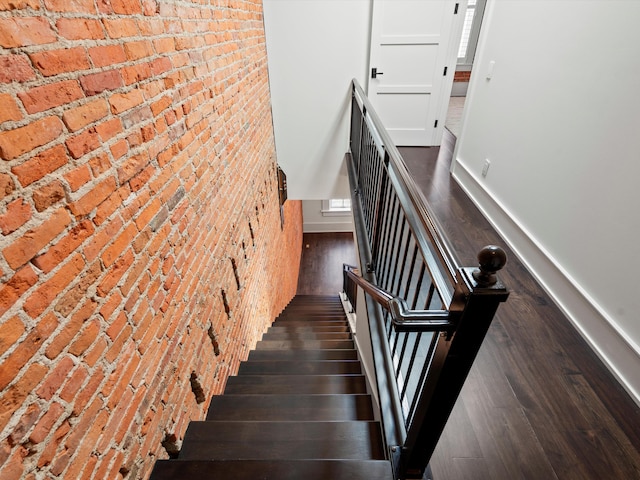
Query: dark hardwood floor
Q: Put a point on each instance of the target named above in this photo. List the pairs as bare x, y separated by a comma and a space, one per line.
321, 265
538, 403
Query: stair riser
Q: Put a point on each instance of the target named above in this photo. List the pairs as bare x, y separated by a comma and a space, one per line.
296, 385
327, 367
290, 408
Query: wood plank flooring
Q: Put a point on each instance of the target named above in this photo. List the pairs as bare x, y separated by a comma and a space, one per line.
538, 403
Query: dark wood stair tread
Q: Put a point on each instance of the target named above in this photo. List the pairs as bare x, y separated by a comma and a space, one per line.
327, 354
290, 408
272, 470
306, 336
308, 328
304, 344
296, 384
284, 367
282, 440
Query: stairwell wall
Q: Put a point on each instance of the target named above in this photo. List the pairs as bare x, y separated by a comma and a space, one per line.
141, 246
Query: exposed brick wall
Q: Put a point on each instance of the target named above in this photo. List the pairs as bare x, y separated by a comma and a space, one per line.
141, 251
462, 76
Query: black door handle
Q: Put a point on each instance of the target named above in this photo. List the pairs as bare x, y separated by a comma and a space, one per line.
375, 72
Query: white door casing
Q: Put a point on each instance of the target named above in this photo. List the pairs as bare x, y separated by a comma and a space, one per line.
412, 42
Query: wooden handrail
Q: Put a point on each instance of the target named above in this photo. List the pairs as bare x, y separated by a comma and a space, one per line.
404, 319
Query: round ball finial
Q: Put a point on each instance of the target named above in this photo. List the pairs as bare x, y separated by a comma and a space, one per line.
491, 259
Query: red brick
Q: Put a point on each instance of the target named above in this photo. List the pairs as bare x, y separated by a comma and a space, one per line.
107, 55
126, 7
120, 28
109, 129
79, 117
164, 45
14, 143
136, 73
83, 143
53, 444
95, 197
121, 102
149, 7
27, 246
78, 293
8, 108
6, 185
65, 247
78, 177
28, 419
37, 167
88, 392
15, 68
39, 99
100, 163
13, 469
55, 62
119, 149
132, 166
25, 31
26, 350
48, 195
101, 238
53, 414
80, 29
10, 331
99, 82
85, 339
75, 6
139, 49
111, 254
11, 399
72, 386
18, 213
40, 300
19, 5
55, 379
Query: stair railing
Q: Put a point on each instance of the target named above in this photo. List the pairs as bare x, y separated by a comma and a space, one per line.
427, 315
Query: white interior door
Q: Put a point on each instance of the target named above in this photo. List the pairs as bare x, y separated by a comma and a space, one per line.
413, 50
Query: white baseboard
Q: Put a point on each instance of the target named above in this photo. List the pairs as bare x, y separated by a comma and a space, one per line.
321, 227
618, 352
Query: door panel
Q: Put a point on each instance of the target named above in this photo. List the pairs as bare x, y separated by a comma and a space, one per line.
410, 46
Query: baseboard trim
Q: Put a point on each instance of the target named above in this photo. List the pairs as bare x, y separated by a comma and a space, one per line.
328, 227
616, 350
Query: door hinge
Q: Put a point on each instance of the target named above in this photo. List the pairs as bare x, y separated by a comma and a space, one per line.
445, 71
435, 125
455, 10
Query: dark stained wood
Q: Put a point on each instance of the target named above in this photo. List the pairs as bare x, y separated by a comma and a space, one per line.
296, 384
300, 367
303, 345
538, 402
282, 440
303, 355
321, 265
293, 335
272, 470
323, 408
301, 397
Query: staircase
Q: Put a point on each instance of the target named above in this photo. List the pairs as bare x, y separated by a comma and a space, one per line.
298, 409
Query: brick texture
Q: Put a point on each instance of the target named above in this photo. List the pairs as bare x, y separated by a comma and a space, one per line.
137, 171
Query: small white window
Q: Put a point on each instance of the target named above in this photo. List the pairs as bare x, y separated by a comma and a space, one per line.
336, 207
471, 31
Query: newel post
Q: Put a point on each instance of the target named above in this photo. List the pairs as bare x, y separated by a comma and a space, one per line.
476, 299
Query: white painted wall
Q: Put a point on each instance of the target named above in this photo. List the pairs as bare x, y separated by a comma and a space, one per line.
315, 222
560, 122
315, 48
